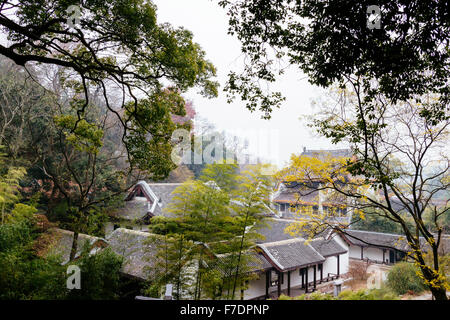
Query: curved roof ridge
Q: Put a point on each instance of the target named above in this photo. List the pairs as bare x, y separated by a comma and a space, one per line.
133, 232
271, 257
316, 251
376, 232
274, 243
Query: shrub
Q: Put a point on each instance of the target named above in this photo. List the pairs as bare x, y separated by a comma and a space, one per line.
313, 296
403, 278
320, 296
14, 235
23, 275
100, 275
26, 275
356, 295
384, 293
372, 294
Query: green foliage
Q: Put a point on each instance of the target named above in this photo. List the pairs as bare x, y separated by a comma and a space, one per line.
68, 136
149, 140
9, 183
202, 216
14, 235
173, 263
153, 290
21, 212
158, 63
164, 225
201, 209
87, 137
223, 174
69, 157
384, 293
25, 108
331, 42
312, 296
100, 276
403, 277
376, 223
23, 275
373, 294
91, 221
362, 294
443, 221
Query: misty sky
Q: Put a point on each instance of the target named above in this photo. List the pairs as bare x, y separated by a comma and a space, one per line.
209, 24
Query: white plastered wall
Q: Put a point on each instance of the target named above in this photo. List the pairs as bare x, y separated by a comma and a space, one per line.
257, 287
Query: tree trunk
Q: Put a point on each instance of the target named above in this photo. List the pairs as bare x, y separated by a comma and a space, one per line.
432, 275
439, 293
3, 212
180, 257
73, 251
240, 254
198, 293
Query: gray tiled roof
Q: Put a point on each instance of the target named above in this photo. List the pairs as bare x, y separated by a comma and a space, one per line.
397, 241
137, 249
62, 243
259, 263
133, 209
297, 195
255, 262
138, 207
328, 247
291, 254
369, 238
164, 192
274, 230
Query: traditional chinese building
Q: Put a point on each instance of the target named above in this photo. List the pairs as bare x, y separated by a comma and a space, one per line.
144, 201
293, 197
292, 263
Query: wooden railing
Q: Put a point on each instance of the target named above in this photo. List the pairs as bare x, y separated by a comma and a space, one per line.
332, 276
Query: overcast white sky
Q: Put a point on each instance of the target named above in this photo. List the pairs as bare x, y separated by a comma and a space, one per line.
209, 24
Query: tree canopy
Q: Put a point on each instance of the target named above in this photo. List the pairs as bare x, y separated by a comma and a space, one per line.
119, 49
330, 41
